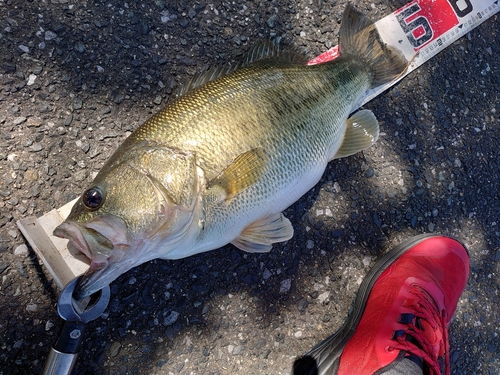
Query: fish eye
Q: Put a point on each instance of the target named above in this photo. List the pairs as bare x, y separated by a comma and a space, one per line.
93, 198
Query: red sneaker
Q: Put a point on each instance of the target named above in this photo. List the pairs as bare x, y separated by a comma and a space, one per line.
401, 313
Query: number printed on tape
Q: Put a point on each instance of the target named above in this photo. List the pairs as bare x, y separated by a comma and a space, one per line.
432, 25
423, 21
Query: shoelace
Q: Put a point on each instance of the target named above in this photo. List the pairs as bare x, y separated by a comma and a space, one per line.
418, 344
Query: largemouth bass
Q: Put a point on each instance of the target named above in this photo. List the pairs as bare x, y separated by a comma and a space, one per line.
220, 163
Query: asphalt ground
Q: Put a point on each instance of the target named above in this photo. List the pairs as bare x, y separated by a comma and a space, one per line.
77, 77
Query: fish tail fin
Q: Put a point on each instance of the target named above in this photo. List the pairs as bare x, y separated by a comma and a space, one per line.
360, 37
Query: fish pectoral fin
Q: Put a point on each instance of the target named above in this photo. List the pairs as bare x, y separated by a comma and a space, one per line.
259, 236
244, 171
362, 131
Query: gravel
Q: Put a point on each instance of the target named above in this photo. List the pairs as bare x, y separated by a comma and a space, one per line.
75, 80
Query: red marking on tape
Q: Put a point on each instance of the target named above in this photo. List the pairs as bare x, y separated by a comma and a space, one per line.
329, 55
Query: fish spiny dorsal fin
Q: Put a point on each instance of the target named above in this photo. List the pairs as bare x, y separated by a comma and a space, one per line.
274, 50
262, 50
205, 76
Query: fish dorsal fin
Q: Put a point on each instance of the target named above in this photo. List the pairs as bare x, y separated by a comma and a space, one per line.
244, 171
275, 50
362, 131
205, 76
262, 50
265, 49
259, 236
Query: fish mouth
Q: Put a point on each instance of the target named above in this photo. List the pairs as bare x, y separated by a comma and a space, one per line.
73, 233
104, 244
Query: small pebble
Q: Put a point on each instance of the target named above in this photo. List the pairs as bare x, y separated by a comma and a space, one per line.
323, 297
49, 35
238, 350
85, 147
302, 305
114, 350
48, 325
285, 285
37, 147
78, 103
266, 274
31, 79
21, 250
19, 120
80, 175
171, 318
18, 344
271, 22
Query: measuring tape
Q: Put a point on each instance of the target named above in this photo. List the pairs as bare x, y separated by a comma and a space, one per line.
423, 28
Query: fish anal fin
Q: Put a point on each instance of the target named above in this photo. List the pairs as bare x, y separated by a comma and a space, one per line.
244, 171
362, 131
259, 236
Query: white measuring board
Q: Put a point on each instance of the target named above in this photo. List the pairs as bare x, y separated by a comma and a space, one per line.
420, 30
64, 265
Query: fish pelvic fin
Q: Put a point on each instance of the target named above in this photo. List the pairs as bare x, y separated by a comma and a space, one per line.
244, 171
359, 37
362, 131
259, 236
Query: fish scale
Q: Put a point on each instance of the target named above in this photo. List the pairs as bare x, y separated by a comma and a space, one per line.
271, 113
220, 163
